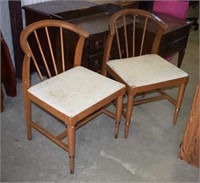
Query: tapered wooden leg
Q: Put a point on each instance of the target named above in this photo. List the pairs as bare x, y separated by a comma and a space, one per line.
104, 71
71, 145
180, 57
128, 114
179, 101
27, 107
118, 115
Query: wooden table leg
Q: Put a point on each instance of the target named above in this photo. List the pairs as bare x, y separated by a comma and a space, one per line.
180, 57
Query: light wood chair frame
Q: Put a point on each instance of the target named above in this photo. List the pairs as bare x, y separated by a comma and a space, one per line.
72, 123
133, 91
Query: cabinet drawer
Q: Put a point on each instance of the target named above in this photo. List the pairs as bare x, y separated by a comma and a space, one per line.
175, 35
115, 53
95, 62
174, 47
96, 43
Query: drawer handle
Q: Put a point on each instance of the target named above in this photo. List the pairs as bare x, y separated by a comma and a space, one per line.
98, 44
175, 45
96, 63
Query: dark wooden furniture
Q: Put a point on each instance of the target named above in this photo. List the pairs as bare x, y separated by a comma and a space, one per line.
16, 28
94, 18
8, 78
175, 38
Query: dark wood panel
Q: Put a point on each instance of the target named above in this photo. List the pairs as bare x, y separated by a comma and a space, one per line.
16, 28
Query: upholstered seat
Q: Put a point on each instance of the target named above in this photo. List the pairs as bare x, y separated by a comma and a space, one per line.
74, 91
153, 69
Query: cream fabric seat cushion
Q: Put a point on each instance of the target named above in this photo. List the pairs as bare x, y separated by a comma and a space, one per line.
75, 90
145, 70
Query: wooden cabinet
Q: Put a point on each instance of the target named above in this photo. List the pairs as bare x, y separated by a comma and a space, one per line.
175, 38
94, 18
8, 78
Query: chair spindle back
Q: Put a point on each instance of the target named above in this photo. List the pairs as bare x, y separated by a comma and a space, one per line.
48, 45
129, 29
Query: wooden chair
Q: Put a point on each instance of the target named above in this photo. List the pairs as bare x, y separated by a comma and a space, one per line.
73, 96
136, 63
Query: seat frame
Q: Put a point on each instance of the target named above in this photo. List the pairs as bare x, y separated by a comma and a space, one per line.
132, 91
72, 123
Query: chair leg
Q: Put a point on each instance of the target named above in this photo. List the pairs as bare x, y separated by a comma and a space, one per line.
71, 145
104, 71
128, 114
27, 107
179, 101
118, 115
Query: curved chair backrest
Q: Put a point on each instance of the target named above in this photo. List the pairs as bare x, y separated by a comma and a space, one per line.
175, 8
133, 32
53, 46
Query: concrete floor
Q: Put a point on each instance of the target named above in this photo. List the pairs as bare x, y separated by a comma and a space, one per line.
150, 154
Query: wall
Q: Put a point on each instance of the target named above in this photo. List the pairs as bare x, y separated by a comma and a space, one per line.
5, 25
5, 22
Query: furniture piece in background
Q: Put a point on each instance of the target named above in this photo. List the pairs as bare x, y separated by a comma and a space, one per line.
140, 71
146, 5
183, 9
73, 96
189, 149
8, 78
175, 39
175, 8
16, 28
193, 14
94, 19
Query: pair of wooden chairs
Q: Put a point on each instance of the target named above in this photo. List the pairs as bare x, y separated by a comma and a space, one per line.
74, 94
